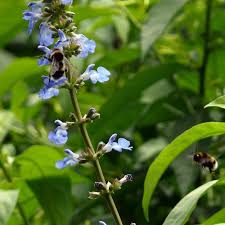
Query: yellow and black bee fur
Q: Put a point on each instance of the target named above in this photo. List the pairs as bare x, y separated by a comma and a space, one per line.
206, 161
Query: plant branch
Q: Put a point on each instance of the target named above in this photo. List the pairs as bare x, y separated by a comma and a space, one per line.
18, 205
90, 149
206, 50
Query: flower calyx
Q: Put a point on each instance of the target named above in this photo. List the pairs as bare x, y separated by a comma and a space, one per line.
91, 115
117, 184
102, 189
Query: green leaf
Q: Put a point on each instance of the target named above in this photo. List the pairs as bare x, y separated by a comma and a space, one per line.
170, 153
182, 211
8, 201
8, 122
55, 196
90, 12
122, 26
218, 102
218, 217
158, 19
16, 71
126, 102
38, 161
11, 19
119, 57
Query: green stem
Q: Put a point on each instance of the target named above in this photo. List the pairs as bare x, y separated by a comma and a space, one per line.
91, 151
206, 49
19, 206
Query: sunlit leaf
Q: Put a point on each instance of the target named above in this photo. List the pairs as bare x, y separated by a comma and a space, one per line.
8, 201
158, 19
218, 217
218, 102
182, 211
38, 161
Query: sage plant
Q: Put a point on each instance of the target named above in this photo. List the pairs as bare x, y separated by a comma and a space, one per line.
59, 41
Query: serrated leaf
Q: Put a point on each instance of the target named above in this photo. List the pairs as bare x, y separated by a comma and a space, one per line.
8, 201
158, 19
170, 153
218, 102
182, 211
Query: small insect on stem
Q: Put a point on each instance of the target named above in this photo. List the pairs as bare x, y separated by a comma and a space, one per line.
206, 161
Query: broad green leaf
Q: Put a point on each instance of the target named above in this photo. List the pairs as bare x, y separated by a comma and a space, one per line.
158, 19
182, 211
11, 19
218, 217
38, 161
8, 201
169, 154
16, 71
55, 196
218, 102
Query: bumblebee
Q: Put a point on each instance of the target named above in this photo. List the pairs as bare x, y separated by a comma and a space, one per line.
59, 66
206, 161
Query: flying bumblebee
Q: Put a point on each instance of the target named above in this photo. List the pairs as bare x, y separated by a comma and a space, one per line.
59, 66
206, 161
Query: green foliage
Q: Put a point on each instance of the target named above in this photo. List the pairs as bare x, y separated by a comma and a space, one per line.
182, 211
219, 102
158, 19
8, 201
154, 50
218, 217
169, 154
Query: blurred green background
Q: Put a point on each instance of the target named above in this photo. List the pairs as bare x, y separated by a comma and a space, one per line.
155, 51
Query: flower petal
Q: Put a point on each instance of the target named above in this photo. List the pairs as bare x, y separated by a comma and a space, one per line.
112, 138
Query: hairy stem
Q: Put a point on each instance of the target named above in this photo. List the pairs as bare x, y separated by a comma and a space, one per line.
91, 150
18, 205
206, 49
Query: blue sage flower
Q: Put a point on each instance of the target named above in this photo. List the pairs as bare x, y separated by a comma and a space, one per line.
50, 88
66, 2
45, 36
33, 15
71, 160
102, 223
45, 59
101, 75
117, 146
63, 40
60, 135
86, 46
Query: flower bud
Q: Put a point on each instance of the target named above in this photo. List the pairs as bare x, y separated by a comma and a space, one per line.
126, 178
94, 194
92, 114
